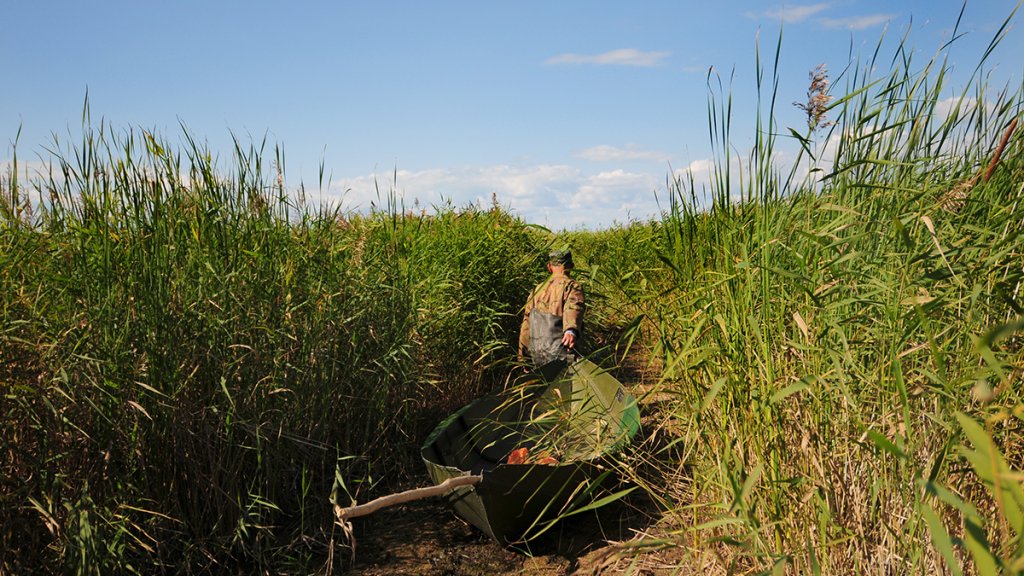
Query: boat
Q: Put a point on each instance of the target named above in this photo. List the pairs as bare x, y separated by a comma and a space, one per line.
540, 449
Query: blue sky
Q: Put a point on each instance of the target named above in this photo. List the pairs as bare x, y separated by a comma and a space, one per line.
573, 113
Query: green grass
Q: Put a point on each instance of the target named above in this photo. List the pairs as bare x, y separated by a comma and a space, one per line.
194, 361
821, 338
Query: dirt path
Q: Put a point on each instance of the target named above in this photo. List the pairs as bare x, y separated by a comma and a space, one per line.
427, 538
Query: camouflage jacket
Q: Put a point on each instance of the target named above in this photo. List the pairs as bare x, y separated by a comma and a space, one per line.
554, 307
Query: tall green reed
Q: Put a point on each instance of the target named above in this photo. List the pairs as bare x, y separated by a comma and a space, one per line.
818, 325
203, 353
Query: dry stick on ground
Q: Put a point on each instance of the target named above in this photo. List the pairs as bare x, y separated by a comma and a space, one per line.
343, 515
355, 511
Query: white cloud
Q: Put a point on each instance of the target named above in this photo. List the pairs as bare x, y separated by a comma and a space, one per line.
458, 185
961, 105
702, 179
702, 167
857, 22
791, 14
27, 169
605, 198
607, 189
699, 173
828, 151
607, 153
556, 196
621, 57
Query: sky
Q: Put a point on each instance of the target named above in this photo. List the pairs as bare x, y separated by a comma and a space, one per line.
571, 114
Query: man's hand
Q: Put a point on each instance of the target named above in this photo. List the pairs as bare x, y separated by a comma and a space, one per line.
569, 339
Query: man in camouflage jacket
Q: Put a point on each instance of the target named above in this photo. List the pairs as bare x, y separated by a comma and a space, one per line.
553, 315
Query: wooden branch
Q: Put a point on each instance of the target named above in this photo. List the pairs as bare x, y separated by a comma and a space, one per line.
355, 511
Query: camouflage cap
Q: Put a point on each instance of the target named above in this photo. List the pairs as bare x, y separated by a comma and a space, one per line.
561, 257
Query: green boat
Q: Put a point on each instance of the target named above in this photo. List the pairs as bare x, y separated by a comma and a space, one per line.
540, 449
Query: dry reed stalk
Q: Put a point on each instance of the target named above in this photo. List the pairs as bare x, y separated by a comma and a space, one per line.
954, 199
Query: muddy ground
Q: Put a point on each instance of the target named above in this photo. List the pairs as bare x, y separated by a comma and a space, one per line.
428, 538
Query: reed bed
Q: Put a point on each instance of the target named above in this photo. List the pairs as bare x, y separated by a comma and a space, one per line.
840, 340
196, 361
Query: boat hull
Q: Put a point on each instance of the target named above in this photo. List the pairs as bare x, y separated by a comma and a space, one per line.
517, 502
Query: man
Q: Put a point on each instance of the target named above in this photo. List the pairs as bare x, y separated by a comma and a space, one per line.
553, 315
